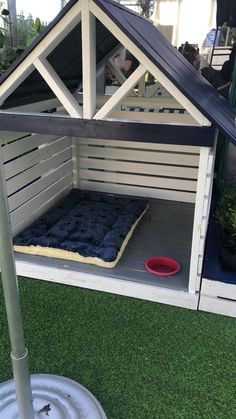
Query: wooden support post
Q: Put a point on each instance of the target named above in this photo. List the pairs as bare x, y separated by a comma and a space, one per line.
89, 60
205, 175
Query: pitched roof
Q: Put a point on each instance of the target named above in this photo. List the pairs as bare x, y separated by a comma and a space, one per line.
66, 59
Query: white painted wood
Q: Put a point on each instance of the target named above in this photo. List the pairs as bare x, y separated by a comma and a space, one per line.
211, 166
7, 136
135, 101
30, 159
88, 60
213, 288
121, 93
75, 161
137, 167
152, 89
139, 155
172, 89
143, 59
38, 186
32, 173
198, 283
147, 192
198, 221
43, 49
31, 206
124, 178
141, 86
107, 284
22, 146
45, 206
116, 72
111, 54
217, 306
154, 117
102, 63
58, 87
140, 145
42, 106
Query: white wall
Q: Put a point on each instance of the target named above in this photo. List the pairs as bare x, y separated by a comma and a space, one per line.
191, 19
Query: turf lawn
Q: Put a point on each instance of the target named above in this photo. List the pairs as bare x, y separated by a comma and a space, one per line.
140, 359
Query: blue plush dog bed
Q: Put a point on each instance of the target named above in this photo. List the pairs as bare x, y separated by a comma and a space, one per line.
85, 226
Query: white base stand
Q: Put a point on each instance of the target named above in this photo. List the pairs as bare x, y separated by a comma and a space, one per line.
54, 397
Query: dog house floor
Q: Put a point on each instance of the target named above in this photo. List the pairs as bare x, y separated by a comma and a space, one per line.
165, 230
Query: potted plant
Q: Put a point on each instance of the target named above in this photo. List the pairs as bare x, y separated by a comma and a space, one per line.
226, 218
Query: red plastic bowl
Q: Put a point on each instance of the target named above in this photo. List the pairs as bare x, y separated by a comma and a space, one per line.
162, 266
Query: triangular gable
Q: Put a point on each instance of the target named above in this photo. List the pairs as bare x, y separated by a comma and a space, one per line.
49, 68
147, 44
174, 66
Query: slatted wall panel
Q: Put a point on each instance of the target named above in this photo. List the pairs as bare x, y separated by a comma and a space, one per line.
151, 170
38, 171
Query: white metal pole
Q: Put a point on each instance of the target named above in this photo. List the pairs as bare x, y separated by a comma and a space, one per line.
19, 354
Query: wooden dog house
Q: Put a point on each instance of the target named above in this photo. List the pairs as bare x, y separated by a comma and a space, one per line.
57, 133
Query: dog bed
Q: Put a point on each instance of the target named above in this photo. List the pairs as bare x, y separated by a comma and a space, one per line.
85, 226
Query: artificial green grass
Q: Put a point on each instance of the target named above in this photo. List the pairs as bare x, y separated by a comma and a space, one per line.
141, 360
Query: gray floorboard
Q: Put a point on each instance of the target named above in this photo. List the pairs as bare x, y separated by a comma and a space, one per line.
165, 230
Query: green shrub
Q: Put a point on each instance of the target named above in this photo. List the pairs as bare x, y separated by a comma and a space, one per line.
226, 217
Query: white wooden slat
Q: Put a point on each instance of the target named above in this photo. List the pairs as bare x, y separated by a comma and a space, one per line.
143, 59
20, 181
41, 106
140, 156
38, 186
45, 206
25, 210
141, 145
88, 60
136, 167
105, 283
58, 87
217, 305
218, 289
154, 117
74, 149
17, 148
137, 101
7, 136
30, 159
210, 175
50, 41
155, 182
123, 91
139, 191
198, 214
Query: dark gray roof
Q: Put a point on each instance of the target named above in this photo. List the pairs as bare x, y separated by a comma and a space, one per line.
66, 59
